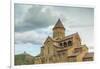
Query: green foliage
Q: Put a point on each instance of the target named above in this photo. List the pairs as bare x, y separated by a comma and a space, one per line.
22, 60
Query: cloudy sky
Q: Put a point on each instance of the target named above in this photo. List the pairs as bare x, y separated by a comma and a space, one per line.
33, 24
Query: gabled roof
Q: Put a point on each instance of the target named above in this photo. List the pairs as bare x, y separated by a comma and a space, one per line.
70, 36
48, 38
67, 37
58, 24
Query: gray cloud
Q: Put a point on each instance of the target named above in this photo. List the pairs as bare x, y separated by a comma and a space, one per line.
20, 11
80, 26
36, 17
42, 16
29, 37
35, 37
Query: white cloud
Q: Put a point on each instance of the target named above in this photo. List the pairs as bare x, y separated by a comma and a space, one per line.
34, 36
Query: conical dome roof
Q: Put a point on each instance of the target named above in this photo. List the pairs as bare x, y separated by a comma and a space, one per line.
58, 24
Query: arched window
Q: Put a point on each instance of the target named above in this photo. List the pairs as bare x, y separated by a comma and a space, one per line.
65, 44
61, 44
69, 43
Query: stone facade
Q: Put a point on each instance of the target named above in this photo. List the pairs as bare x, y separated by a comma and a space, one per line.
61, 48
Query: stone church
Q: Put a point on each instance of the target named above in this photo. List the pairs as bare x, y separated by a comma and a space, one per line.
60, 48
